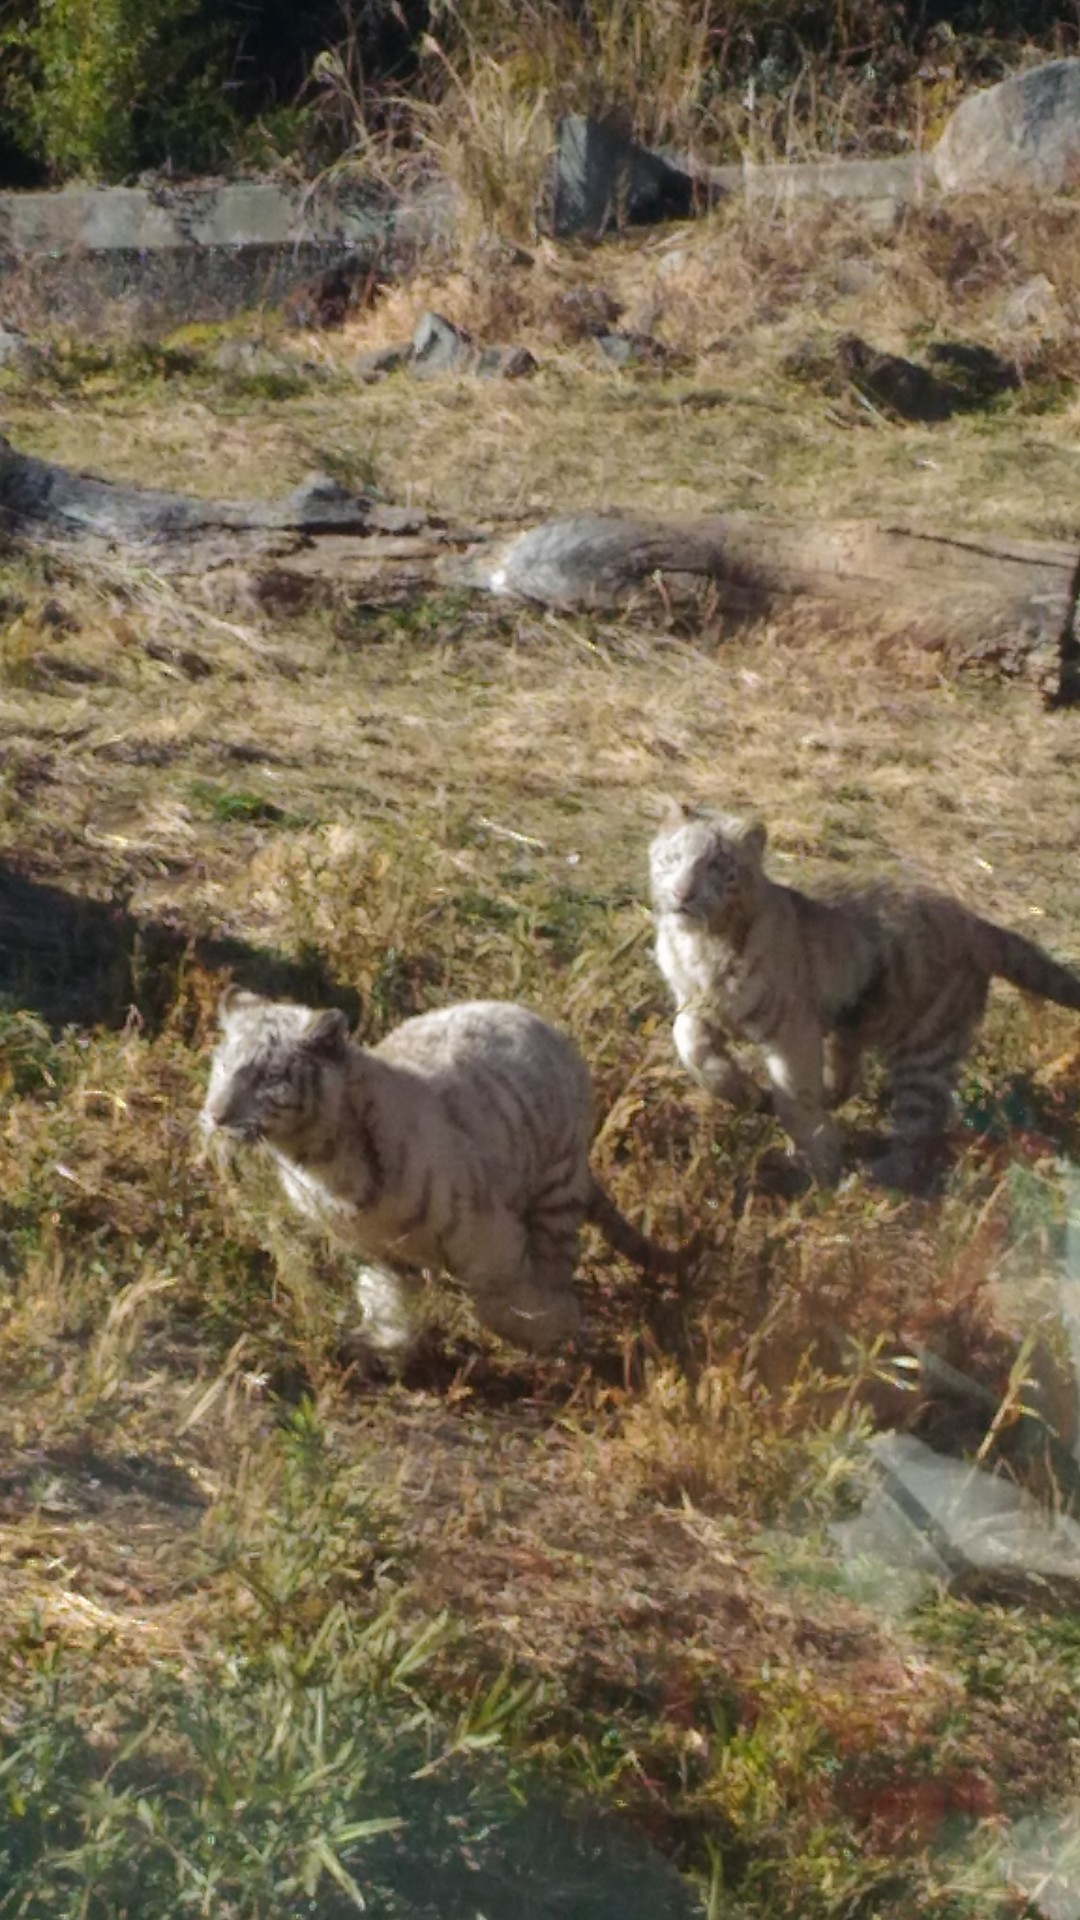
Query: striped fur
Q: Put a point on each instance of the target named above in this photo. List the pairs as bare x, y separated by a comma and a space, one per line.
460, 1142
904, 974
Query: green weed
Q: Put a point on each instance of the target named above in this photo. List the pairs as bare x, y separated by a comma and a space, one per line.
232, 806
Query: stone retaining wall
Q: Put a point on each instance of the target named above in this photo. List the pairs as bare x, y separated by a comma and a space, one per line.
146, 258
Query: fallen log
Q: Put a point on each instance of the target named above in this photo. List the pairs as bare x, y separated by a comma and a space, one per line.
1003, 605
43, 501
999, 605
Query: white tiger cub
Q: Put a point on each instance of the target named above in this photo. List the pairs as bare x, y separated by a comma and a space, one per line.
461, 1142
902, 972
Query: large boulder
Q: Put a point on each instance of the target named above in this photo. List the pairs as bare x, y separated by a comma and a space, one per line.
1023, 133
602, 180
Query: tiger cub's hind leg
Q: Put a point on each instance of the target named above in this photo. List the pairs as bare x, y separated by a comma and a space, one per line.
923, 1070
520, 1281
843, 1060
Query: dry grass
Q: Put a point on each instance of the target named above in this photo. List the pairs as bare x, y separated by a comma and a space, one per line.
406, 803
719, 81
736, 299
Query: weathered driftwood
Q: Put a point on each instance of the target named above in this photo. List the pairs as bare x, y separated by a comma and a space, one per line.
1007, 606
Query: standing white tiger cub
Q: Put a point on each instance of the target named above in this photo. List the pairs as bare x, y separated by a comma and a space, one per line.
461, 1142
901, 972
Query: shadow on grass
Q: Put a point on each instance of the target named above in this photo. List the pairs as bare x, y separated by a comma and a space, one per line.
534, 1858
80, 961
468, 1837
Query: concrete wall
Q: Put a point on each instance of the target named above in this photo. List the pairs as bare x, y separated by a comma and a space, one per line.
144, 258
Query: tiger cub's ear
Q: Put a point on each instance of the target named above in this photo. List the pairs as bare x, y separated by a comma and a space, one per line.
755, 839
233, 1001
675, 813
327, 1035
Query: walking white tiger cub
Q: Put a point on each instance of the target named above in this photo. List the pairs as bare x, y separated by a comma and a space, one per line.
461, 1142
903, 973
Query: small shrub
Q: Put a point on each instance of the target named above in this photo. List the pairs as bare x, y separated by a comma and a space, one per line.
97, 86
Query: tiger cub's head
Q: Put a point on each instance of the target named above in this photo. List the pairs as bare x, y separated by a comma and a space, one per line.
705, 867
269, 1070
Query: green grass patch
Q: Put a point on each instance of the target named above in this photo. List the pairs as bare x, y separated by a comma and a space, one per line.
232, 806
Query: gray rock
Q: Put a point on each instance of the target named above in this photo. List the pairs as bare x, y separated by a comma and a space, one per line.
172, 253
379, 361
963, 375
603, 180
320, 504
1032, 307
440, 347
1023, 133
505, 363
254, 360
632, 349
16, 353
945, 1518
579, 313
855, 276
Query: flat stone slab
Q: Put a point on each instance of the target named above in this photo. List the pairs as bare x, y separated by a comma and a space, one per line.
104, 258
899, 178
238, 213
141, 259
